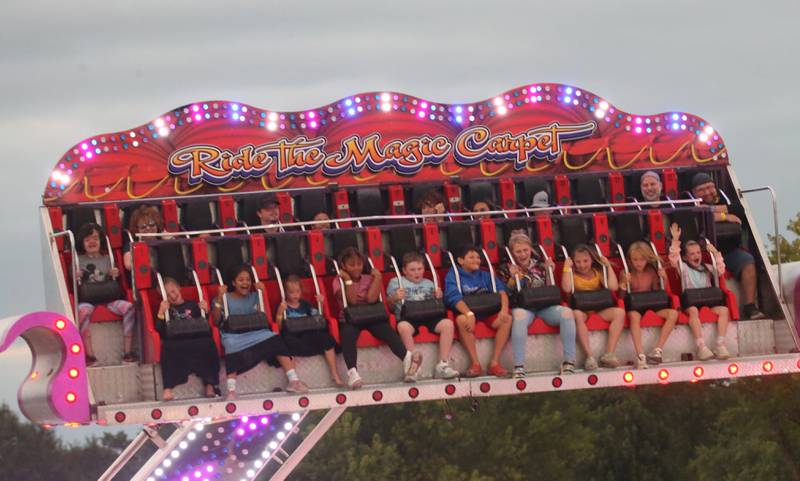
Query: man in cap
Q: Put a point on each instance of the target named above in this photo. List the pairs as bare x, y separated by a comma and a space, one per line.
737, 260
651, 186
269, 213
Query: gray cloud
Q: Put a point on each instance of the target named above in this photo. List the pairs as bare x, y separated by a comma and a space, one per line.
75, 69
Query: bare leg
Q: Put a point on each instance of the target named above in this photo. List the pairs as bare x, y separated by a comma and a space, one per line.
466, 330
446, 331
168, 395
128, 342
406, 331
500, 339
722, 320
670, 317
582, 331
694, 322
330, 360
636, 331
616, 316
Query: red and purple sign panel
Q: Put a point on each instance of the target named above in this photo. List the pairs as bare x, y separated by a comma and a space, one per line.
377, 137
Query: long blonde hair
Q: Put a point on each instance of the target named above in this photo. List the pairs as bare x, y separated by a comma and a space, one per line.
645, 251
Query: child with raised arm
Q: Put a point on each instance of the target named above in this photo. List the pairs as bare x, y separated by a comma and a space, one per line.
360, 288
474, 280
181, 357
645, 276
417, 288
696, 275
589, 277
94, 266
308, 343
244, 350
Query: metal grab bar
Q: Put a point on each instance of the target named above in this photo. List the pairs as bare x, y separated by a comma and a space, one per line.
776, 232
74, 255
412, 217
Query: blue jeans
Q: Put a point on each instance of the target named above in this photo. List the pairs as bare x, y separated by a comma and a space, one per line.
553, 316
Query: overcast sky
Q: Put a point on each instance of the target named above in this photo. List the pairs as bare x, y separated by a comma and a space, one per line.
74, 69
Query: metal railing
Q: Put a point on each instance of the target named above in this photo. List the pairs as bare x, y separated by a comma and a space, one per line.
74, 254
774, 196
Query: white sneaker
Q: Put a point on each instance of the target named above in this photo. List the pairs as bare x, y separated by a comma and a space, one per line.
444, 371
519, 372
721, 352
609, 360
641, 362
567, 367
704, 353
354, 381
590, 364
656, 356
411, 365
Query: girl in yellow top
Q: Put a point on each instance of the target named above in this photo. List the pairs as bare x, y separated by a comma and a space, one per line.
587, 277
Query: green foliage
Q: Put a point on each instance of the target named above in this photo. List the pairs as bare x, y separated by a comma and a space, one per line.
697, 431
790, 251
31, 453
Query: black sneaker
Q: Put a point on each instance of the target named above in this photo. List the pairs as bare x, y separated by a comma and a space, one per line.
752, 313
130, 357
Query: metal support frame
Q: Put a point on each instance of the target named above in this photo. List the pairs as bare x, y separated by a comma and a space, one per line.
293, 460
164, 449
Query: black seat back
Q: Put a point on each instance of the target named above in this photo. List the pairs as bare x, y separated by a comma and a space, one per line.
401, 241
248, 210
530, 186
77, 217
688, 221
311, 203
289, 256
572, 231
589, 189
197, 216
478, 191
342, 239
458, 234
171, 262
627, 229
229, 255
369, 202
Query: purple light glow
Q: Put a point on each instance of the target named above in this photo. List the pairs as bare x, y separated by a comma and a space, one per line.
638, 130
253, 426
240, 432
197, 117
84, 146
423, 105
195, 108
421, 114
89, 155
311, 115
264, 420
313, 124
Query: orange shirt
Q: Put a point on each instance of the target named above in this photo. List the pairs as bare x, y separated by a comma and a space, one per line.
591, 284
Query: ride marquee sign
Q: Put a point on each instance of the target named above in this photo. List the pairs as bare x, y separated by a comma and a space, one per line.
302, 156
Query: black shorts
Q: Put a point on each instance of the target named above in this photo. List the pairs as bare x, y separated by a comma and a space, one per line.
267, 350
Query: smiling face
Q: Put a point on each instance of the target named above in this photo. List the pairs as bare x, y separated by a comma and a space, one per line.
651, 188
583, 262
173, 293
706, 192
414, 271
471, 261
693, 255
91, 243
522, 253
294, 292
242, 283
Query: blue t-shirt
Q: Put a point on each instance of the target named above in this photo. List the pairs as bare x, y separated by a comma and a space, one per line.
476, 282
415, 291
233, 342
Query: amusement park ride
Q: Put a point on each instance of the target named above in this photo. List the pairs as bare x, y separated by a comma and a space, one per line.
366, 160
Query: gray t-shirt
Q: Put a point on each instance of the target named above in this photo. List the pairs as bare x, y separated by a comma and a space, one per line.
94, 269
415, 291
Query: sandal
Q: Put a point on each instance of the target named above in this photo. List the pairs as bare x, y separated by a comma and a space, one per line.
474, 370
